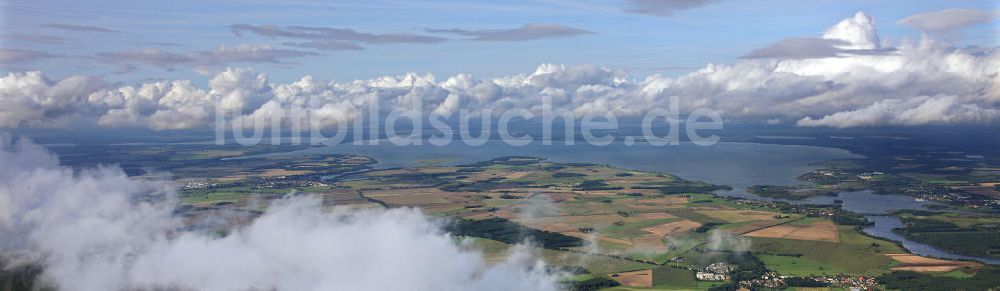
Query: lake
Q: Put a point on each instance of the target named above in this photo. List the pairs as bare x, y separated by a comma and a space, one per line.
738, 165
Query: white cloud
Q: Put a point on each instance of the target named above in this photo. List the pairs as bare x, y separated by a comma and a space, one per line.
98, 229
858, 32
791, 81
916, 111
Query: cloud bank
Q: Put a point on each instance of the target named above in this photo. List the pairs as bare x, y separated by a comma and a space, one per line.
97, 229
837, 80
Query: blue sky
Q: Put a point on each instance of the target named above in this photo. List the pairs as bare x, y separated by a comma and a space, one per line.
716, 32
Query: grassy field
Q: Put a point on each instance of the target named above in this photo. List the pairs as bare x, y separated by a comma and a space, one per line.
795, 266
854, 254
496, 251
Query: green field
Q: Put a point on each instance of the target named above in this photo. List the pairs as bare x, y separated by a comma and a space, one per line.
794, 266
854, 254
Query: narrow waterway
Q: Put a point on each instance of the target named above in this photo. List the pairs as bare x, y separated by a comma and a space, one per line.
876, 208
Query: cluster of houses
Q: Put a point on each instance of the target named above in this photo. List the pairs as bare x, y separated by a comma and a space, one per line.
715, 272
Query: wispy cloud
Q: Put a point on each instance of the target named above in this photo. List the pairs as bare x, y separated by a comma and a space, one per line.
17, 56
663, 8
527, 32
78, 28
34, 38
163, 44
948, 20
221, 55
798, 48
326, 45
316, 33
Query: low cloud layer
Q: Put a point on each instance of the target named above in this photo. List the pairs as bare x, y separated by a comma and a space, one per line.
97, 229
810, 82
914, 111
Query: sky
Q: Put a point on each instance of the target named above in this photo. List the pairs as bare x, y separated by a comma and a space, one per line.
84, 37
168, 65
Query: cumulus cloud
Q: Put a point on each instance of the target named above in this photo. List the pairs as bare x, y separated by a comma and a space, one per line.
852, 36
849, 71
663, 8
915, 111
856, 33
527, 32
31, 99
97, 229
948, 20
78, 28
219, 56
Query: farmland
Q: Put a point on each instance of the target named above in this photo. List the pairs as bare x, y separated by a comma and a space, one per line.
643, 230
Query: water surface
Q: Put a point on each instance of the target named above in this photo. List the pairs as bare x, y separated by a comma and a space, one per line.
737, 165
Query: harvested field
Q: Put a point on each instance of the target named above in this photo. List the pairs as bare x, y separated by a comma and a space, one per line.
736, 215
658, 203
392, 172
283, 172
421, 197
569, 223
641, 278
602, 238
436, 170
672, 227
911, 262
755, 226
649, 243
820, 230
491, 174
655, 215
